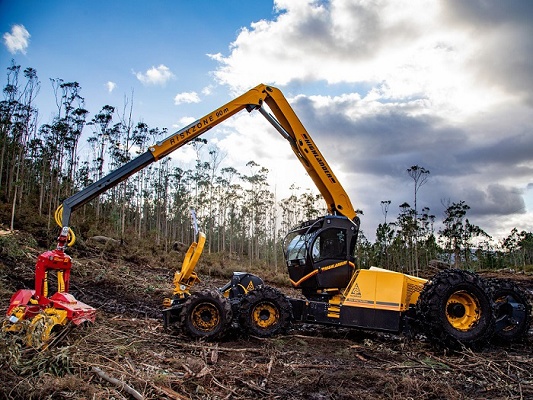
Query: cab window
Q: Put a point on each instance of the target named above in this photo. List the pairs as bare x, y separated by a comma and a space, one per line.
331, 243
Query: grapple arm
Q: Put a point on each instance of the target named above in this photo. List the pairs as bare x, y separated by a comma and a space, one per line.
187, 277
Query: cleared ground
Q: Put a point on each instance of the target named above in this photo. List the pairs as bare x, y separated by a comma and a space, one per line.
127, 354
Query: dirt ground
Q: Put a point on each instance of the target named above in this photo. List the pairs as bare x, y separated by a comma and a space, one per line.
127, 354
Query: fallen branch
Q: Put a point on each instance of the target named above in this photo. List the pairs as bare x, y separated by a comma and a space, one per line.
216, 382
214, 355
119, 383
216, 348
253, 386
319, 366
169, 392
269, 370
431, 367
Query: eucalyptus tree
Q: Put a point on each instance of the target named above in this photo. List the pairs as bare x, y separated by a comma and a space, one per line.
18, 124
101, 134
122, 153
364, 253
236, 218
526, 247
519, 248
14, 129
384, 235
59, 140
511, 245
313, 204
161, 190
67, 127
429, 247
142, 137
404, 241
215, 159
458, 233
420, 176
28, 125
8, 107
291, 209
181, 202
258, 199
226, 197
126, 141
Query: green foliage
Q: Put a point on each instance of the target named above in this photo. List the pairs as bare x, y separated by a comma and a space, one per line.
528, 268
26, 362
10, 247
14, 245
56, 362
458, 234
10, 348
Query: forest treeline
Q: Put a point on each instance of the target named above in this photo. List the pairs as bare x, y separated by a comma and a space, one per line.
41, 165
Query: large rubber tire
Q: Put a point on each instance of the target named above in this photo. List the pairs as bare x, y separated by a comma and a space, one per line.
512, 310
265, 312
206, 315
455, 310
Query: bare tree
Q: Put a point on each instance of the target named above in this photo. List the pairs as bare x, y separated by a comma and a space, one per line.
385, 231
420, 176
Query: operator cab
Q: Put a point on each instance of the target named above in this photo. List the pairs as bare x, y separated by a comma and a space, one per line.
320, 253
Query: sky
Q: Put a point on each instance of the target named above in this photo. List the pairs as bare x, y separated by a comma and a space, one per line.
380, 85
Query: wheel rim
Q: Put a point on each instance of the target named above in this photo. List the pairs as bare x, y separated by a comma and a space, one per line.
265, 315
462, 310
205, 317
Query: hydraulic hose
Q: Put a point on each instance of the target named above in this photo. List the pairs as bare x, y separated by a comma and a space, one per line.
71, 236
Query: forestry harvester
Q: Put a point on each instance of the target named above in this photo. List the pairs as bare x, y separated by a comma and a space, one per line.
453, 307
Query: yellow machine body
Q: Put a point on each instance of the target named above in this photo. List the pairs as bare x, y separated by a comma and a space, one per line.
186, 277
38, 330
382, 289
375, 299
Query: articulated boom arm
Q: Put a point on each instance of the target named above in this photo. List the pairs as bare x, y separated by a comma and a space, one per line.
284, 120
307, 152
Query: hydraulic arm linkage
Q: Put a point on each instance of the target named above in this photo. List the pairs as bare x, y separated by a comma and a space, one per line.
284, 120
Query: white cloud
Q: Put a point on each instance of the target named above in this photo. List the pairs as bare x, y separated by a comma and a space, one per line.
110, 86
155, 76
441, 84
186, 97
401, 48
183, 122
208, 90
247, 137
18, 40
